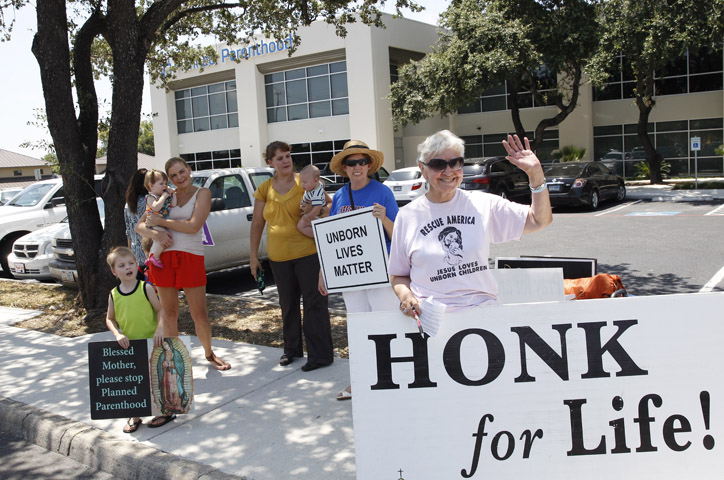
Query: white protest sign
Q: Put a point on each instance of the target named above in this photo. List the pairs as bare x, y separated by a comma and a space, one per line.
352, 251
598, 389
524, 285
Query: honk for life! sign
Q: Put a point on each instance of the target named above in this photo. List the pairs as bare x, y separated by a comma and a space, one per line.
624, 388
352, 251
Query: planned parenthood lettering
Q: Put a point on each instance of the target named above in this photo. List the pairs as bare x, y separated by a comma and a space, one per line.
352, 250
119, 380
594, 389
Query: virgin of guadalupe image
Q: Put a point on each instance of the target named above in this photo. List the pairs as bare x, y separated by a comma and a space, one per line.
171, 377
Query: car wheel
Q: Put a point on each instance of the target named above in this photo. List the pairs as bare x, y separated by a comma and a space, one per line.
5, 248
593, 200
621, 192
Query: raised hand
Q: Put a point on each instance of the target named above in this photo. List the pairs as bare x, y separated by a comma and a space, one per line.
521, 155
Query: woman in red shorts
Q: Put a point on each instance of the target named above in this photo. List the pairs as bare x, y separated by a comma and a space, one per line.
183, 256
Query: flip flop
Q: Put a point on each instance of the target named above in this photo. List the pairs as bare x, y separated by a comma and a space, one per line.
163, 422
344, 395
131, 427
218, 363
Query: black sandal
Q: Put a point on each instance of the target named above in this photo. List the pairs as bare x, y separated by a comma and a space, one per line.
165, 420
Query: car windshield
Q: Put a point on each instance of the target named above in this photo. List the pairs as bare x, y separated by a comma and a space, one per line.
32, 195
402, 175
565, 170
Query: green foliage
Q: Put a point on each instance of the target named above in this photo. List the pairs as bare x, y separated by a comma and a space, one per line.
643, 169
484, 43
719, 150
145, 138
569, 153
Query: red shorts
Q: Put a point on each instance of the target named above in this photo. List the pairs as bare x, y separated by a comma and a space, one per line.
180, 269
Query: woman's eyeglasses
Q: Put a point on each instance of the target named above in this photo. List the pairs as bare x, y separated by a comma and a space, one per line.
353, 163
438, 164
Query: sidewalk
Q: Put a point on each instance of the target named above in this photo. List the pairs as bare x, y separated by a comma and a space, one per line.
666, 193
258, 420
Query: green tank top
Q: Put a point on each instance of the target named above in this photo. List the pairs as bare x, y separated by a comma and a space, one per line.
134, 312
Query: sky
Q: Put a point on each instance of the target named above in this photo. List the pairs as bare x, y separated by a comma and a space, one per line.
21, 93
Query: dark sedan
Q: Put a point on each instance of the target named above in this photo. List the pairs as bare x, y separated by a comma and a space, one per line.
583, 183
498, 176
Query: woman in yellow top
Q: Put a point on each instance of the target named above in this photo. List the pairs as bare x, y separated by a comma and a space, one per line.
293, 260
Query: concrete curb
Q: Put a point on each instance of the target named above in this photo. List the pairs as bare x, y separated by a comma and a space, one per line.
98, 449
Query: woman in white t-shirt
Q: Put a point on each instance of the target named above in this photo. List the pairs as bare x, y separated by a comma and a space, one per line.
441, 241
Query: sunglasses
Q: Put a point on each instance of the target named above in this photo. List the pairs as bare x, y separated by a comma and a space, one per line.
438, 164
353, 163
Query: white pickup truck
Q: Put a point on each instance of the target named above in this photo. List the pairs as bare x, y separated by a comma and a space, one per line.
226, 231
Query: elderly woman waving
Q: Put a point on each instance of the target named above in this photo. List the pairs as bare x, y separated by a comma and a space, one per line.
441, 241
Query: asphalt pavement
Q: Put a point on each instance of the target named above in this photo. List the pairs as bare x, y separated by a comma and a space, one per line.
257, 421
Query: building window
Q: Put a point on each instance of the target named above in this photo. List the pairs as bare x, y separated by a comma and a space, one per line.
311, 92
215, 159
315, 152
497, 98
208, 107
394, 73
618, 146
690, 73
491, 145
18, 173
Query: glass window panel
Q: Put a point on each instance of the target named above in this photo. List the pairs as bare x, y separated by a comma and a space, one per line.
233, 120
670, 86
628, 89
185, 126
339, 145
473, 151
235, 163
203, 156
710, 166
322, 157
676, 67
494, 150
472, 139
182, 93
297, 112
632, 128
320, 109
216, 88
274, 77
493, 104
710, 140
183, 109
222, 163
672, 144
200, 106
318, 88
278, 114
338, 67
707, 60
497, 90
317, 70
607, 130
199, 91
219, 121
550, 134
494, 137
611, 91
472, 108
206, 165
189, 157
339, 85
218, 154
235, 153
231, 101
296, 92
608, 148
627, 75
301, 159
672, 126
217, 103
231, 85
340, 107
706, 123
201, 124
525, 100
294, 74
275, 95
705, 83
322, 146
301, 147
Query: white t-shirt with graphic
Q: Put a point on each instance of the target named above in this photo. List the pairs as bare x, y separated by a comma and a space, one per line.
444, 247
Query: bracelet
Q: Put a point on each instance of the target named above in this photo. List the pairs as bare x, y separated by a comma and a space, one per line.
539, 188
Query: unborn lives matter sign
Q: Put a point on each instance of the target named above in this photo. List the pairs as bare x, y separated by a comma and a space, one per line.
628, 388
352, 250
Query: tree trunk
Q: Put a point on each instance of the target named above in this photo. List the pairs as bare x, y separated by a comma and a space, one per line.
74, 137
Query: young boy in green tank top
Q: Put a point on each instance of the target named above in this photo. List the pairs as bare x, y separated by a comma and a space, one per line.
134, 312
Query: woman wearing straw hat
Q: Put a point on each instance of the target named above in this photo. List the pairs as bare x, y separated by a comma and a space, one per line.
357, 162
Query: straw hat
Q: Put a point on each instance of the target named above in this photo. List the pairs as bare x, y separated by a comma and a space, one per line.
355, 147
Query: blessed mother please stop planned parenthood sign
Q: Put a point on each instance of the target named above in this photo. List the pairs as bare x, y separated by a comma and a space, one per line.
624, 388
352, 251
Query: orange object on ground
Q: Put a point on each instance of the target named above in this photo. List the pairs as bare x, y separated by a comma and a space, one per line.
602, 285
